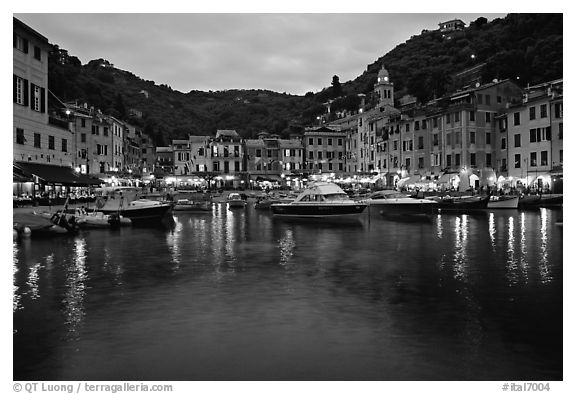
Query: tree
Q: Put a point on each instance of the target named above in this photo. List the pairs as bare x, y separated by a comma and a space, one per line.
119, 106
336, 87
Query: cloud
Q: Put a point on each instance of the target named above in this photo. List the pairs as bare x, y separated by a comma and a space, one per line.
294, 53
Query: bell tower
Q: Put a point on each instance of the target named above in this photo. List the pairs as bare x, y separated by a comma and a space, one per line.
384, 88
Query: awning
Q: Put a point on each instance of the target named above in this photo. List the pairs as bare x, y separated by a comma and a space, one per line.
269, 178
56, 174
409, 181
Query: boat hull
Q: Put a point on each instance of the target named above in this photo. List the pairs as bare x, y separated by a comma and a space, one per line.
314, 211
143, 215
503, 203
462, 204
416, 208
541, 201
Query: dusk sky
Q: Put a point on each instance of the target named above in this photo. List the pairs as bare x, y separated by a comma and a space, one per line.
292, 53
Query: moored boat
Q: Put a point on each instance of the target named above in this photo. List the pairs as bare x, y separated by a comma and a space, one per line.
394, 203
125, 202
186, 205
30, 223
503, 202
320, 201
535, 201
235, 200
462, 204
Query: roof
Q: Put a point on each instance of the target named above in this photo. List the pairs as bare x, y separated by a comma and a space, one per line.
290, 144
254, 143
227, 133
56, 174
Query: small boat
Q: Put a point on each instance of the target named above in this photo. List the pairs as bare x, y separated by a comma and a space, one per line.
503, 202
320, 201
235, 200
535, 201
267, 201
394, 203
463, 204
187, 205
96, 219
41, 225
125, 201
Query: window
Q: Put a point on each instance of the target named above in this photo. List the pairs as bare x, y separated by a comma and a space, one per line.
560, 130
544, 111
64, 145
37, 53
479, 97
82, 122
533, 162
487, 99
472, 137
339, 141
38, 102
488, 116
449, 139
407, 127
561, 155
457, 159
448, 119
544, 158
20, 90
532, 113
503, 143
310, 141
516, 118
20, 136
457, 138
420, 142
424, 124
533, 133
105, 131
319, 155
488, 160
472, 159
51, 142
456, 117
448, 160
435, 123
37, 143
420, 162
558, 110
395, 145
517, 140
319, 141
435, 139
20, 43
488, 138
472, 116
417, 125
310, 155
517, 161
498, 99
258, 152
329, 141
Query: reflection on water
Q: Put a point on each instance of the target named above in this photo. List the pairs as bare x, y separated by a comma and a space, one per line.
462, 297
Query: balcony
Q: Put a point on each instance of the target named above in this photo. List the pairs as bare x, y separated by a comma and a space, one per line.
57, 122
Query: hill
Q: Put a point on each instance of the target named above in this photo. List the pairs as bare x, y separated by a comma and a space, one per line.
525, 47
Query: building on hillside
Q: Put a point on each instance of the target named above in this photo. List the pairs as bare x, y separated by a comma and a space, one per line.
181, 159
451, 25
164, 162
132, 150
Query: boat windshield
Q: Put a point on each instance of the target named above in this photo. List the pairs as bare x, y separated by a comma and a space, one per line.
336, 197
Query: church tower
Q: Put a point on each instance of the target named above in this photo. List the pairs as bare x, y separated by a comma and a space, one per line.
384, 88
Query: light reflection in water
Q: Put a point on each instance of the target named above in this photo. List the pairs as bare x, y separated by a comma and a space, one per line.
287, 245
75, 288
492, 230
461, 244
32, 281
173, 240
543, 267
511, 264
439, 226
15, 296
523, 264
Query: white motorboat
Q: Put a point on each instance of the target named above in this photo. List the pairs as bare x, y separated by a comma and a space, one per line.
320, 201
125, 201
503, 202
394, 203
235, 200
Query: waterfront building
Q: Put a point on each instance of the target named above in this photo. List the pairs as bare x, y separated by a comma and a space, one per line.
164, 161
181, 159
116, 130
291, 155
132, 150
325, 150
226, 152
38, 137
531, 135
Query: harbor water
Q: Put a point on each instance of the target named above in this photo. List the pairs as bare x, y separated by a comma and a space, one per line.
240, 295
